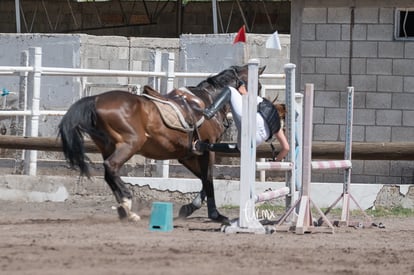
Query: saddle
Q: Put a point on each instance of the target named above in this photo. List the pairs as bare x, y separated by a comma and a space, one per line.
177, 108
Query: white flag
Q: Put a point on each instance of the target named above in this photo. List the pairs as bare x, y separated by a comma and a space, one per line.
273, 42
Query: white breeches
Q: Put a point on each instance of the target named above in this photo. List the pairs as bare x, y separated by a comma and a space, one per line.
262, 130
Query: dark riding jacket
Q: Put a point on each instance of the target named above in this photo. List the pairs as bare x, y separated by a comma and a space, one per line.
270, 115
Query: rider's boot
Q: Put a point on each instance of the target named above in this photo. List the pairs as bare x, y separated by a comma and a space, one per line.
223, 147
222, 98
200, 146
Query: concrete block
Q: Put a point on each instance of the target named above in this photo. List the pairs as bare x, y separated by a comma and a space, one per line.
379, 66
118, 64
378, 100
380, 32
402, 168
390, 83
335, 116
327, 99
386, 16
308, 65
318, 115
404, 101
402, 134
403, 67
359, 99
313, 49
387, 180
359, 32
27, 188
123, 53
365, 82
363, 178
358, 135
109, 52
408, 118
94, 63
337, 48
333, 177
168, 44
366, 15
102, 41
317, 79
365, 49
364, 117
409, 50
314, 15
308, 32
390, 49
358, 65
328, 65
408, 84
389, 117
377, 167
326, 132
336, 82
328, 32
339, 15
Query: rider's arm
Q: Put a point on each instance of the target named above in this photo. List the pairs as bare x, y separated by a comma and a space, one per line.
280, 135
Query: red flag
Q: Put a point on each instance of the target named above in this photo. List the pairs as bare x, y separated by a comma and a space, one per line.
241, 35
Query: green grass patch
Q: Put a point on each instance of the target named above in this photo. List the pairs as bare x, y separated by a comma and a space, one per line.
377, 212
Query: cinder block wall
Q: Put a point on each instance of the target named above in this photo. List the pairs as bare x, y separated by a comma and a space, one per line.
333, 52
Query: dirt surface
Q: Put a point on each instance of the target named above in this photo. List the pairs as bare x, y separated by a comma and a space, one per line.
84, 236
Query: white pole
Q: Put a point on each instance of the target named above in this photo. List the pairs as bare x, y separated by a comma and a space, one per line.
164, 165
248, 220
35, 60
290, 128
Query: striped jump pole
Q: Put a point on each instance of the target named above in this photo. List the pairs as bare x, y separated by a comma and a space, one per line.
273, 194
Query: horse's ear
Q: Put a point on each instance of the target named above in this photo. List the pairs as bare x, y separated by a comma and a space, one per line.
261, 69
148, 89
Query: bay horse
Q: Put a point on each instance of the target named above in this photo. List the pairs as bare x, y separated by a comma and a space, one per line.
122, 124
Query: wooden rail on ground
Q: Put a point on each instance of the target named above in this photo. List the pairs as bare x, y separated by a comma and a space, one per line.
320, 150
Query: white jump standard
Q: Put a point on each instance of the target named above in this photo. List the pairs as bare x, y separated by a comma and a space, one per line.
248, 221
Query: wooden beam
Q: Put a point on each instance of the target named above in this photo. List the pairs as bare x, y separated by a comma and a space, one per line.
320, 150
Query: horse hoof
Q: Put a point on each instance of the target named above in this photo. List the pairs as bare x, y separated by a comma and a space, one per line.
126, 215
134, 217
187, 210
217, 217
122, 212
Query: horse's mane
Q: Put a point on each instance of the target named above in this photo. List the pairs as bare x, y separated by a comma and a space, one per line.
224, 78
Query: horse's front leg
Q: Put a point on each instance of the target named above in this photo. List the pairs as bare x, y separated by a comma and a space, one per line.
202, 168
188, 209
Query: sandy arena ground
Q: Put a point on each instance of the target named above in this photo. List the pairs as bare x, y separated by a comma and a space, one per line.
84, 236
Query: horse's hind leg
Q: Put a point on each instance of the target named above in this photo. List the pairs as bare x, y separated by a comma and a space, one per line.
123, 195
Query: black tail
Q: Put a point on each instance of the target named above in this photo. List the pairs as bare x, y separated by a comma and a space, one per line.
79, 119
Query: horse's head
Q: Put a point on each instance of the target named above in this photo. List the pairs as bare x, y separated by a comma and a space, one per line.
243, 74
213, 85
232, 76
